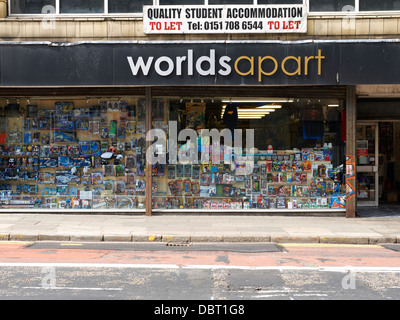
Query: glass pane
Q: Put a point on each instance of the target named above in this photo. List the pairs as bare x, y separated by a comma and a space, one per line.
366, 145
330, 5
377, 5
222, 2
81, 6
127, 6
366, 186
280, 1
181, 2
32, 6
296, 163
75, 154
365, 160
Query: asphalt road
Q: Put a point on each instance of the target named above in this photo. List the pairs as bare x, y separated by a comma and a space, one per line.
50, 271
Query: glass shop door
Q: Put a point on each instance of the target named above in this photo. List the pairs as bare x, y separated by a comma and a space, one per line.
367, 163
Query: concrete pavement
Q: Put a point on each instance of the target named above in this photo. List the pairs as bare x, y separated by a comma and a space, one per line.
185, 228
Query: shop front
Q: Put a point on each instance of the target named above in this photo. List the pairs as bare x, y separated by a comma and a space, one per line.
133, 127
378, 150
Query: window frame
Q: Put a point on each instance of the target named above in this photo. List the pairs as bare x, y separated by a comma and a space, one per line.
94, 15
77, 15
139, 15
357, 11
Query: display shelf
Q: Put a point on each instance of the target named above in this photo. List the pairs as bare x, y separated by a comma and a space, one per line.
72, 134
255, 189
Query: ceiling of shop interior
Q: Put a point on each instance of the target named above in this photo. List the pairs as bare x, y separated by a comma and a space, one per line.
181, 91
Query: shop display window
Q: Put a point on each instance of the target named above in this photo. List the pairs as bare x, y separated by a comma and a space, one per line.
72, 154
205, 154
291, 154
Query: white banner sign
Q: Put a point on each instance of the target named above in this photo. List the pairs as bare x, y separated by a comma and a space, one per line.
225, 19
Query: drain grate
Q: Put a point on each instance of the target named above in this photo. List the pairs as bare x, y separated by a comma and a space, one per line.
174, 244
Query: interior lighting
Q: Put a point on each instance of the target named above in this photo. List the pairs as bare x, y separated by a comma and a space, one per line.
249, 117
252, 110
261, 100
270, 107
